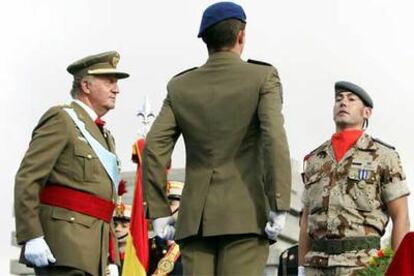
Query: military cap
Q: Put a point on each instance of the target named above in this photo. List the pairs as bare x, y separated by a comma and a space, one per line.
175, 189
123, 211
123, 206
218, 12
100, 64
342, 86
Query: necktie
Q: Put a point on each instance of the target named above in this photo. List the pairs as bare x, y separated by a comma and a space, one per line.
100, 123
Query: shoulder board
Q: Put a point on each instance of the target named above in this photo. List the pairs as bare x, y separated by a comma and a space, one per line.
57, 108
258, 62
185, 71
383, 143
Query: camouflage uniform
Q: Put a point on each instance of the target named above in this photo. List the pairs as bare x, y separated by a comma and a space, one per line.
346, 199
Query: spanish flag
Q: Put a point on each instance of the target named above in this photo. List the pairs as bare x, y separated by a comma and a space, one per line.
402, 262
136, 251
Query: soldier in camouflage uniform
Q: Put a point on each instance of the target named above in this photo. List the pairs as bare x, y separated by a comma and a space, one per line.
353, 184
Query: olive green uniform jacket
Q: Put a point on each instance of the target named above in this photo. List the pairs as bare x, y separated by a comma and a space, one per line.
238, 164
58, 154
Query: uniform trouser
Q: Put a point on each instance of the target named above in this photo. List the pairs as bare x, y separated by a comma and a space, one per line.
59, 271
244, 254
332, 271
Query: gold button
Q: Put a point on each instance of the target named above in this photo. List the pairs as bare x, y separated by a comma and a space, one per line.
89, 156
72, 219
277, 195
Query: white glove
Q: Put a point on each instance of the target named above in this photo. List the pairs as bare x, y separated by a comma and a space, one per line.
112, 270
38, 252
301, 271
275, 224
164, 227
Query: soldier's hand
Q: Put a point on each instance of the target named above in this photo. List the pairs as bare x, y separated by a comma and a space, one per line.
112, 270
38, 252
164, 227
275, 224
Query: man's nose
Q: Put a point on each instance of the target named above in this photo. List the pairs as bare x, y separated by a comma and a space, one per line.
116, 89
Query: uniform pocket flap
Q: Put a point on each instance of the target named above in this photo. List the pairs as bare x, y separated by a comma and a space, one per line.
353, 174
73, 217
84, 151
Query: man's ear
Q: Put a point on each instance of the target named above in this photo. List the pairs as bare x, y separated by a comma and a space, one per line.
366, 113
241, 37
85, 86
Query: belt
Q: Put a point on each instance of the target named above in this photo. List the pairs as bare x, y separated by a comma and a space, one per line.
338, 246
74, 200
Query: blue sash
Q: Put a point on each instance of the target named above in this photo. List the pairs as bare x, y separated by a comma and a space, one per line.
108, 160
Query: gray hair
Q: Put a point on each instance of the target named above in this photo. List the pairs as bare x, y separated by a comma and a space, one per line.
76, 85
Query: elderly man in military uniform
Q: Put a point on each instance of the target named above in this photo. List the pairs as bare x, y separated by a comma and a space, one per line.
65, 186
238, 182
354, 184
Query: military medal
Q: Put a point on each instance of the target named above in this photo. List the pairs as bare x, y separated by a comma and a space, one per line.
362, 174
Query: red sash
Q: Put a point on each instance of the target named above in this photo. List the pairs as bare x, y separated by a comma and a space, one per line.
77, 201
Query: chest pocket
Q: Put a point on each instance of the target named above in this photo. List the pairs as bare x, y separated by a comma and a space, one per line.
89, 164
314, 185
363, 188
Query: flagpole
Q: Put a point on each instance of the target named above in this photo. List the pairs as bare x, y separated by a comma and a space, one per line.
137, 249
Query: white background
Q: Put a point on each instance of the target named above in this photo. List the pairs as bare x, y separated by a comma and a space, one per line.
312, 43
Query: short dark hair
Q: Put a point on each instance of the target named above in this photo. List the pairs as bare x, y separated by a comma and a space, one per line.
222, 34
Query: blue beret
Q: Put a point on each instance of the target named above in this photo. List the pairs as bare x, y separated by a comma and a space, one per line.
219, 12
341, 86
